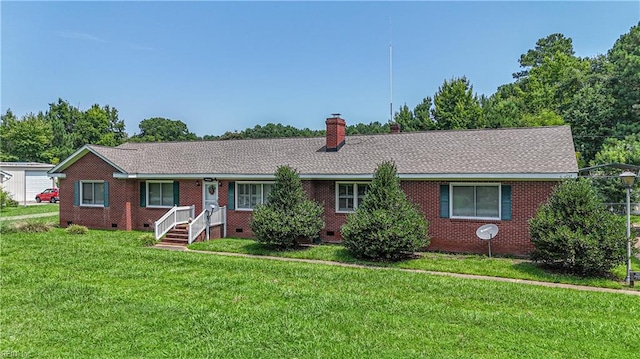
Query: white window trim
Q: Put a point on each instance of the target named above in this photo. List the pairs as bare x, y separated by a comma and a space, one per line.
355, 195
146, 188
236, 194
484, 184
81, 189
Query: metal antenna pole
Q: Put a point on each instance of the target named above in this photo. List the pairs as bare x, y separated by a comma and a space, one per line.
390, 72
489, 241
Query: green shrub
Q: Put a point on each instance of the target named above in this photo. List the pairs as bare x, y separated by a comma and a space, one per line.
288, 217
574, 231
6, 200
385, 226
6, 228
147, 240
76, 229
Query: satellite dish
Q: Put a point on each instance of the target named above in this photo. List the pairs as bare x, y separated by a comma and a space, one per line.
487, 232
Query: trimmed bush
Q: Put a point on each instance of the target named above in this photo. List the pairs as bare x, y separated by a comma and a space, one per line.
76, 229
288, 217
6, 200
575, 233
385, 226
148, 240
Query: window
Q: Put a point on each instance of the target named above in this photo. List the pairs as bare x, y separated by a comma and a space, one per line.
349, 195
159, 194
250, 195
92, 193
475, 201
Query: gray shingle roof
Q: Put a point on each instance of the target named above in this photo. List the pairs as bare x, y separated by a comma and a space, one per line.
539, 150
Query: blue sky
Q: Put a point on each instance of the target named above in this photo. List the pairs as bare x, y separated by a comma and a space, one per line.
224, 66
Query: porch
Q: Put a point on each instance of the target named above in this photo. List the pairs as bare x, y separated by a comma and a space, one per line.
181, 226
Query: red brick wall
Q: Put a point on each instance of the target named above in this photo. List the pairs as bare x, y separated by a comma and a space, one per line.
459, 235
456, 235
237, 221
190, 194
121, 210
124, 198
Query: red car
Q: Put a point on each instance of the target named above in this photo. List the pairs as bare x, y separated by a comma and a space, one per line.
48, 195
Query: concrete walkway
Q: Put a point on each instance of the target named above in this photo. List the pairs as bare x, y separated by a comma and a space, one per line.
455, 275
27, 216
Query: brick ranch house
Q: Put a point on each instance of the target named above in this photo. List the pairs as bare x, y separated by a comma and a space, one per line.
459, 179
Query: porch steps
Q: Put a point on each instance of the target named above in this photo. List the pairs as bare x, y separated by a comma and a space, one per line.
177, 236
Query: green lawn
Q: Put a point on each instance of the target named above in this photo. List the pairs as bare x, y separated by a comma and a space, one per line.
32, 209
468, 264
102, 295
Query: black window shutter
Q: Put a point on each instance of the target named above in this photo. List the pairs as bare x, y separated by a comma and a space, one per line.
506, 202
143, 194
231, 196
106, 194
176, 193
76, 193
444, 201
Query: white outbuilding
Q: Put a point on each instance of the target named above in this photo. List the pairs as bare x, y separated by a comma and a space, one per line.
23, 180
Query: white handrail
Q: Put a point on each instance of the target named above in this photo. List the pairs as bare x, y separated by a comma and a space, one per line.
176, 215
218, 217
198, 225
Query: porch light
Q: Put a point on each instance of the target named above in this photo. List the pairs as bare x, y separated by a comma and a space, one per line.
628, 178
197, 183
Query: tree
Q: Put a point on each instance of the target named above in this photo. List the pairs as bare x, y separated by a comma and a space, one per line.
99, 126
117, 134
404, 118
417, 120
28, 139
547, 47
63, 118
159, 129
625, 82
288, 216
590, 115
606, 181
422, 115
385, 226
362, 129
543, 118
55, 135
574, 232
456, 106
7, 123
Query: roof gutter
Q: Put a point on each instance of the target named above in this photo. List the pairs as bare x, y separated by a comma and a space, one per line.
364, 176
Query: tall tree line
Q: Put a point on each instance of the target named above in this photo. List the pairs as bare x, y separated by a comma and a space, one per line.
53, 135
598, 96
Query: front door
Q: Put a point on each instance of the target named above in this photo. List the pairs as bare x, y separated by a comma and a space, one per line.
210, 194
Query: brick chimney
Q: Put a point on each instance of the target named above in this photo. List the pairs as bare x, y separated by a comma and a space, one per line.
335, 132
395, 128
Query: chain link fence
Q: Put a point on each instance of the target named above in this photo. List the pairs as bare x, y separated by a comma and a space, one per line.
621, 208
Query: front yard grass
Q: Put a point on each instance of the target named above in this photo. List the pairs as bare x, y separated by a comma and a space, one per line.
103, 295
32, 209
467, 264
